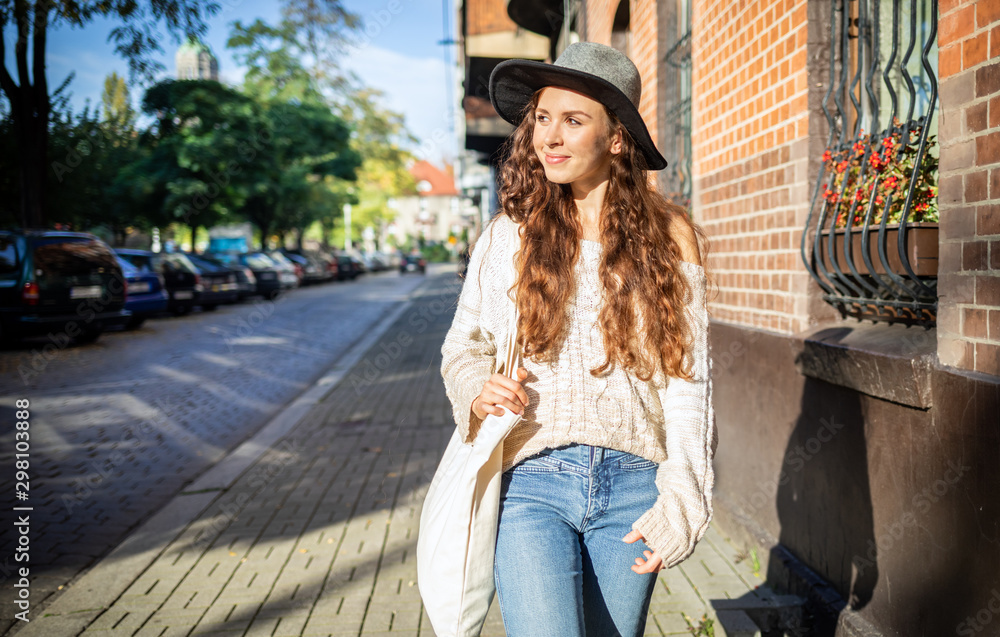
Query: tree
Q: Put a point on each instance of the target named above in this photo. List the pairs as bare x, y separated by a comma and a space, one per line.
205, 153
380, 137
116, 110
310, 144
136, 38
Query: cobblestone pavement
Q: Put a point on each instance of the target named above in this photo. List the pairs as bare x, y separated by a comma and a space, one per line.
317, 537
120, 426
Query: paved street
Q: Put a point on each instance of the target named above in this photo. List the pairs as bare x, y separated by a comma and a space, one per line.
315, 534
120, 426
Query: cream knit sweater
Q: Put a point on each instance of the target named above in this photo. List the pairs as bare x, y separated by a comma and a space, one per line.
667, 420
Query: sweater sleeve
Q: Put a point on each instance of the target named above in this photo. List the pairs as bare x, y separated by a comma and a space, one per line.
469, 350
683, 509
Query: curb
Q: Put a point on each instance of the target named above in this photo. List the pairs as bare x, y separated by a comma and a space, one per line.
99, 587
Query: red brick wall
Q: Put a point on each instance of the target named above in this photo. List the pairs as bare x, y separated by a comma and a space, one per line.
751, 156
969, 194
488, 16
643, 27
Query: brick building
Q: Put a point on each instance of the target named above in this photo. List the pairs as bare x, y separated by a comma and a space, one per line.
857, 369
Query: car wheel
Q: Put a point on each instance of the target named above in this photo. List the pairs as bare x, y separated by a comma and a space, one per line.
181, 310
210, 308
135, 323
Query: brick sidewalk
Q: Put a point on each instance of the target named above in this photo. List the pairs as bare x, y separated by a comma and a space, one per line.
318, 536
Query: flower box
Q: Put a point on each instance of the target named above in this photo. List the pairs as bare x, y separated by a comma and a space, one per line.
921, 249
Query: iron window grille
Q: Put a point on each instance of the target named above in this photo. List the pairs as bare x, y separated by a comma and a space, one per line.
879, 191
677, 114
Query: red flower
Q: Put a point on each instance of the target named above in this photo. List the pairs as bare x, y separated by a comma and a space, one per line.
827, 156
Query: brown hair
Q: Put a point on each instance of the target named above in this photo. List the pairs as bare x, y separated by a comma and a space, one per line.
639, 269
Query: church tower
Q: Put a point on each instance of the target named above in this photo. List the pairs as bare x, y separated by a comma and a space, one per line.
195, 61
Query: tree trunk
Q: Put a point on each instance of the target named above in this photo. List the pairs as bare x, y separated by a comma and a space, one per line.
29, 103
194, 236
299, 233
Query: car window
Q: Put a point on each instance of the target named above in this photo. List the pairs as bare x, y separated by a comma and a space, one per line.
127, 267
259, 261
71, 256
142, 262
174, 262
222, 257
8, 258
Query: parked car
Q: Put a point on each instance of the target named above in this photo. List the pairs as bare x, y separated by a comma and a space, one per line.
56, 281
322, 267
179, 275
302, 267
246, 280
216, 283
347, 268
147, 293
288, 270
265, 271
413, 263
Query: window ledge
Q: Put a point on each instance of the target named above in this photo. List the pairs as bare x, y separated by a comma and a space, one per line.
891, 362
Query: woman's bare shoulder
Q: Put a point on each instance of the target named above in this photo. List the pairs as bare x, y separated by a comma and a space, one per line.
687, 240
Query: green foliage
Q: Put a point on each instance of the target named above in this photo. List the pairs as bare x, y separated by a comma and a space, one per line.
437, 253
881, 170
204, 151
704, 628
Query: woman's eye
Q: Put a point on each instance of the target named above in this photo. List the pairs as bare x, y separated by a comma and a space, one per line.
573, 121
540, 118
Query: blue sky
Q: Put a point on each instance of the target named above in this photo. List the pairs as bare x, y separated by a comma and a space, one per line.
398, 54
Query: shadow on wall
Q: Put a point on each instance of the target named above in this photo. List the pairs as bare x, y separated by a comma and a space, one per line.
824, 501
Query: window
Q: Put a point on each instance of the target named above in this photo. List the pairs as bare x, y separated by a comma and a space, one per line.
871, 236
676, 135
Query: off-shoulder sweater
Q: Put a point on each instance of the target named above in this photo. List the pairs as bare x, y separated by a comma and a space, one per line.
666, 420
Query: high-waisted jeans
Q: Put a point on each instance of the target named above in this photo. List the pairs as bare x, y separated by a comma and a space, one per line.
561, 566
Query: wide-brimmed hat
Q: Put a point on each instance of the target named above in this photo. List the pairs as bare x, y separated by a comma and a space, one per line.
598, 71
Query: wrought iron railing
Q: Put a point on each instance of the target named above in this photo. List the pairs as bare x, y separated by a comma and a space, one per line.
870, 240
677, 120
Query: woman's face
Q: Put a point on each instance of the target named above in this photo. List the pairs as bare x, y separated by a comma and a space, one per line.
573, 138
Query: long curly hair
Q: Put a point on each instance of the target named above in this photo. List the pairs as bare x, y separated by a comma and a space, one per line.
642, 321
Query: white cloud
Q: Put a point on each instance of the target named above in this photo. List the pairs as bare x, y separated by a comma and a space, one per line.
416, 87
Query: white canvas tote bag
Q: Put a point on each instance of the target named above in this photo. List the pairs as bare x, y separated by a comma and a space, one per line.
458, 524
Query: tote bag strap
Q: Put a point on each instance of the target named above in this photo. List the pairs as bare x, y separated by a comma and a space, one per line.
507, 356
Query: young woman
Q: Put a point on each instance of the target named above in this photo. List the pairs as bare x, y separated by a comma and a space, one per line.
611, 465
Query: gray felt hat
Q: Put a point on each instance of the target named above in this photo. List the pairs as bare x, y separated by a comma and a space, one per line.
598, 71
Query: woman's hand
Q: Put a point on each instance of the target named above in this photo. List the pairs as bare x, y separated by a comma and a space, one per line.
652, 563
501, 391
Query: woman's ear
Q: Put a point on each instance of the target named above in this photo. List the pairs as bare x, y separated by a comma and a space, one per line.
616, 142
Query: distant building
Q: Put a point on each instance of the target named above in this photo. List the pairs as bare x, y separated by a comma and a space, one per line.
434, 212
195, 61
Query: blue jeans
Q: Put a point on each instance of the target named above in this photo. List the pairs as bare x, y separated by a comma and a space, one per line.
561, 566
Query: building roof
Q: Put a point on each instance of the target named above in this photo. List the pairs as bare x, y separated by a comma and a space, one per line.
433, 181
195, 46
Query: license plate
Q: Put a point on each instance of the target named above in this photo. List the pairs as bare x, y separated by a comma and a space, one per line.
183, 294
138, 287
215, 288
231, 286
85, 292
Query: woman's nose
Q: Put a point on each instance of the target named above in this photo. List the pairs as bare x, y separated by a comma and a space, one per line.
553, 136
